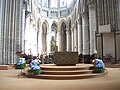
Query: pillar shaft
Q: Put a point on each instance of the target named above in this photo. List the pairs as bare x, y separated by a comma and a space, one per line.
85, 33
11, 12
75, 39
48, 42
72, 39
79, 36
92, 25
69, 40
86, 48
59, 40
1, 31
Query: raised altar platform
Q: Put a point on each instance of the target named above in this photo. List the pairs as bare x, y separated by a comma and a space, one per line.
54, 72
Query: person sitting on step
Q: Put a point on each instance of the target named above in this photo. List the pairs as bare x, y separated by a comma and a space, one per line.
99, 66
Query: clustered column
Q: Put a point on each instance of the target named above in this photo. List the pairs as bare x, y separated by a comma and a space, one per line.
85, 27
11, 28
59, 39
75, 39
80, 36
92, 26
68, 41
72, 34
1, 31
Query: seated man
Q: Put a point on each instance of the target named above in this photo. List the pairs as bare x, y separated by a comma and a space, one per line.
99, 66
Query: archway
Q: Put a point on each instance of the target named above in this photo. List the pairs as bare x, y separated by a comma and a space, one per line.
63, 36
44, 38
53, 37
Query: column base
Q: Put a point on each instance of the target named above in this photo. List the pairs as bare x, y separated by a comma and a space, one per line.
87, 59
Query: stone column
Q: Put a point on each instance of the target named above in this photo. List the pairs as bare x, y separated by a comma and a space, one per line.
43, 42
85, 37
49, 40
39, 40
59, 39
72, 32
1, 31
9, 33
12, 38
68, 41
80, 51
18, 28
27, 30
23, 28
92, 25
5, 28
75, 39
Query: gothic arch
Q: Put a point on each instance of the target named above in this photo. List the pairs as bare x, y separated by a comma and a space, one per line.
63, 35
54, 29
47, 24
63, 20
44, 37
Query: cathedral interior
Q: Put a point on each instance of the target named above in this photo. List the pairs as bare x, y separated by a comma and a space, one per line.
37, 27
70, 34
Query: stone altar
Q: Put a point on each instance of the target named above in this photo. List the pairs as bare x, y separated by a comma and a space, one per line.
65, 58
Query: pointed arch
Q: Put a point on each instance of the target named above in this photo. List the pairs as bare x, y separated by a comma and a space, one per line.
44, 36
63, 30
54, 29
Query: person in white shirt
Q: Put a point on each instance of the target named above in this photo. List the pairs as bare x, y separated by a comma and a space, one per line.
99, 65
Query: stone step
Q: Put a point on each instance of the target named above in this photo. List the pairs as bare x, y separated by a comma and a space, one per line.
11, 66
66, 72
4, 67
63, 77
53, 67
51, 71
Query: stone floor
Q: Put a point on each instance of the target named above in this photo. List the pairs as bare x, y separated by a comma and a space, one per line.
9, 80
109, 65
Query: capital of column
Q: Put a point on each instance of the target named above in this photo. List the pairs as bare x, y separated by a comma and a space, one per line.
91, 3
68, 31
